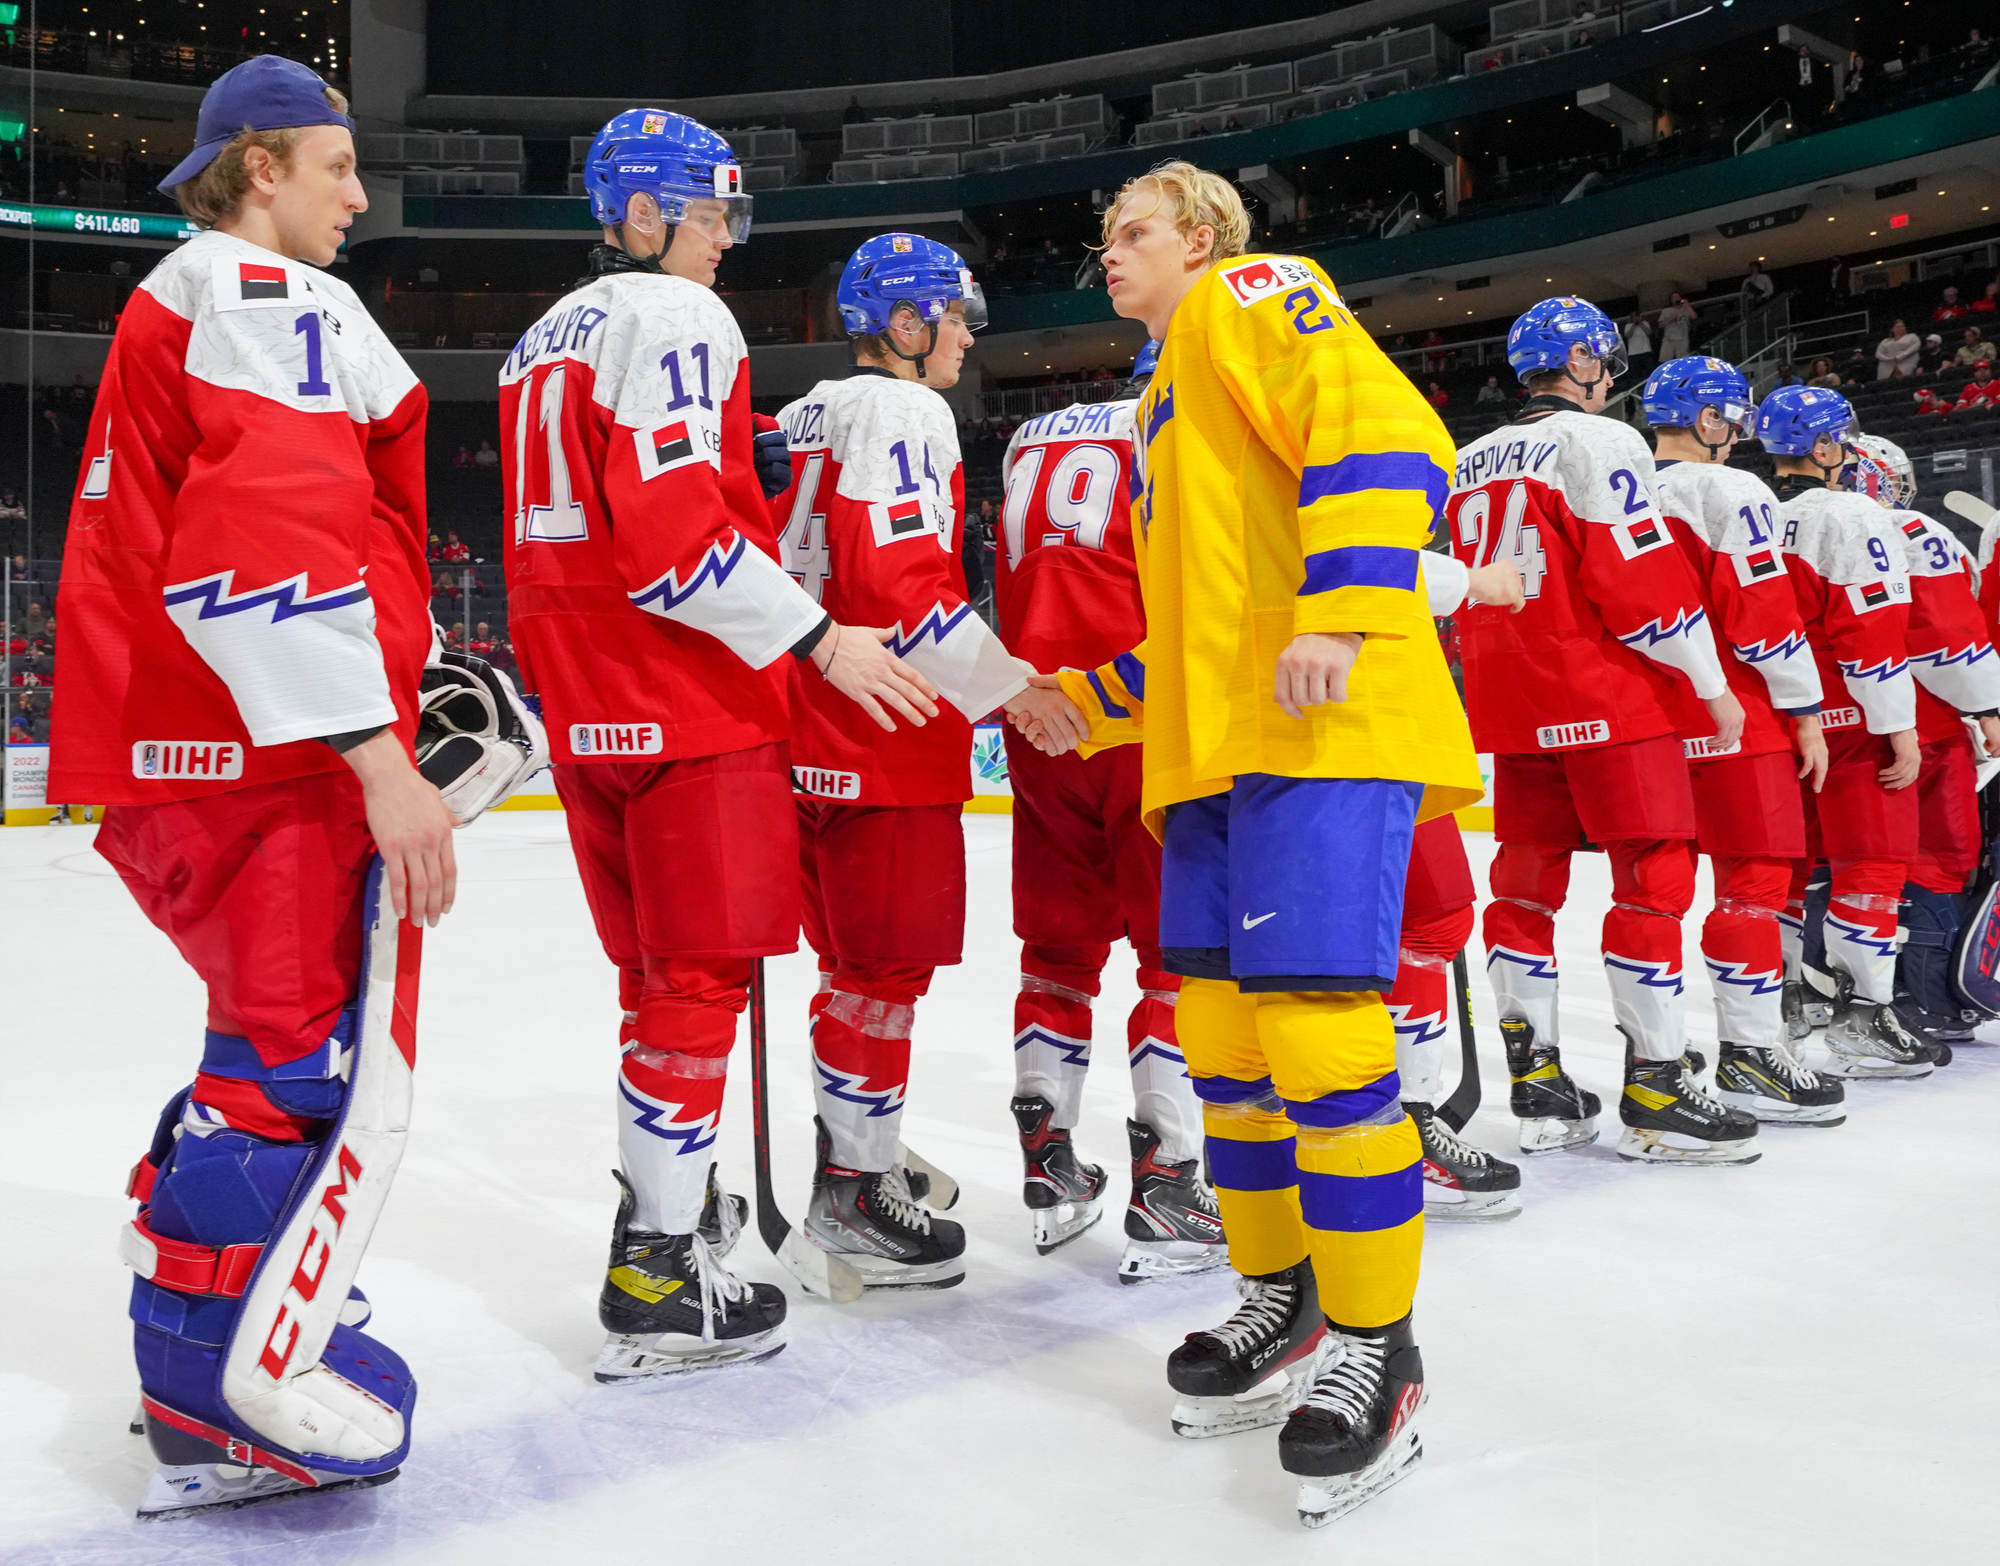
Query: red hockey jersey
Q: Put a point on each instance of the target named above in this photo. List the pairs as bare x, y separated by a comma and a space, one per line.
1725, 521
871, 530
1950, 643
644, 599
1613, 617
244, 570
1066, 585
1845, 559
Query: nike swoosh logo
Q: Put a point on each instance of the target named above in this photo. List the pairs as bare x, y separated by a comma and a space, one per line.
1251, 924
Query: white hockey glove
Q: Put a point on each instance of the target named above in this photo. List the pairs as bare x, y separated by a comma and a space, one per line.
476, 741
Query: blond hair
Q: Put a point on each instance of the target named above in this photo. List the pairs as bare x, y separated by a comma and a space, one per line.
218, 190
1191, 197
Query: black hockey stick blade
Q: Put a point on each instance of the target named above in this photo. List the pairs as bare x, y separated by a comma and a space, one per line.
817, 1272
1457, 1109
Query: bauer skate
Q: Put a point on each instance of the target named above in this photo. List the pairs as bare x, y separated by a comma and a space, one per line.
1463, 1182
1554, 1112
670, 1306
1774, 1085
1865, 1040
872, 1222
1669, 1118
722, 1215
1064, 1194
1254, 1368
1172, 1227
1804, 1010
1356, 1432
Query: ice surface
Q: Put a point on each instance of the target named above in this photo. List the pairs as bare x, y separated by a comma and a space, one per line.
1794, 1361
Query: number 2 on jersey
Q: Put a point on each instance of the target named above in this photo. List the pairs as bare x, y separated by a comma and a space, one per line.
1078, 501
1520, 546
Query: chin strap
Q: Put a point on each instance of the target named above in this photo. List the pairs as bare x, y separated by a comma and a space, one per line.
917, 359
1717, 449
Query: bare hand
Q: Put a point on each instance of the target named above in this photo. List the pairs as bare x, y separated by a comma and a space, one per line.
1902, 772
1810, 739
857, 665
1313, 670
1989, 735
1498, 584
1052, 723
411, 825
1727, 712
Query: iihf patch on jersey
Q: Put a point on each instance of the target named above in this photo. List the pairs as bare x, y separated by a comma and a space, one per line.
1705, 749
826, 783
1839, 717
204, 760
1865, 597
1561, 736
1637, 538
252, 285
615, 739
1255, 280
896, 519
1758, 565
678, 444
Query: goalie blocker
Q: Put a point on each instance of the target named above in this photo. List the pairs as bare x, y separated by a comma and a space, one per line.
476, 739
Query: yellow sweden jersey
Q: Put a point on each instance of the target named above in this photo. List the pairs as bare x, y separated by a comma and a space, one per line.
1288, 475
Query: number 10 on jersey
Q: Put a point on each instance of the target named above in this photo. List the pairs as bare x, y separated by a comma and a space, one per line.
1519, 546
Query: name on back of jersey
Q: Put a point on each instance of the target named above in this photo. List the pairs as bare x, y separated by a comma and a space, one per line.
1079, 421
558, 332
1480, 465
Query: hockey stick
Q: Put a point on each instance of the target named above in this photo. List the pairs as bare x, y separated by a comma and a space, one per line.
1457, 1109
1971, 507
817, 1272
943, 1195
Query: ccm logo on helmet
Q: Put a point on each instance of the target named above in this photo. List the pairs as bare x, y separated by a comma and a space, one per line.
326, 1222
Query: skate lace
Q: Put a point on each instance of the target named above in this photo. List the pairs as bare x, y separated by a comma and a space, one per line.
1447, 1142
892, 1196
720, 1288
1265, 1306
1694, 1093
1347, 1391
1790, 1068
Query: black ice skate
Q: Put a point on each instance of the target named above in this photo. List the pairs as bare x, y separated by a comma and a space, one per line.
1938, 1031
1253, 1369
1064, 1194
1804, 1010
1670, 1118
1461, 1181
670, 1306
1554, 1111
1172, 1227
1866, 1040
871, 1222
1356, 1432
1777, 1087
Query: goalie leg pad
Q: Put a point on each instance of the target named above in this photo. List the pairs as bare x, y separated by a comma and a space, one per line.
247, 1245
1976, 965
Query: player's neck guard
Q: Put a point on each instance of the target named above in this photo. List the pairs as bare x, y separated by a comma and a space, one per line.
1789, 486
1542, 404
607, 259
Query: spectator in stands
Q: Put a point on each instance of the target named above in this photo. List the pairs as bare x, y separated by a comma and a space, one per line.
1974, 348
1823, 374
1988, 303
1436, 358
1930, 403
1757, 287
1437, 396
1932, 359
1982, 391
1491, 395
455, 551
455, 637
486, 456
1836, 280
1896, 355
1949, 309
462, 458
1676, 328
1638, 345
18, 571
1788, 375
481, 645
29, 720
11, 509
35, 623
445, 586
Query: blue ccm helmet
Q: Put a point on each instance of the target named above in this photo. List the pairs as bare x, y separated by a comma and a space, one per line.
1676, 393
1542, 338
671, 158
905, 271
1147, 362
1793, 418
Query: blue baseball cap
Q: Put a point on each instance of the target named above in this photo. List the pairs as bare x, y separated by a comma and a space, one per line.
267, 93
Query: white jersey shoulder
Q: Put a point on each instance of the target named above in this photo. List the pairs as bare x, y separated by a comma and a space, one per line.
1733, 511
1601, 467
1930, 548
279, 329
1832, 531
891, 438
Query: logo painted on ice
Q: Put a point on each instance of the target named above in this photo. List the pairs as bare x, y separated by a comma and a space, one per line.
989, 758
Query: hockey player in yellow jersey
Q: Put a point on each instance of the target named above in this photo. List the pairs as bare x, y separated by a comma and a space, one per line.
1298, 720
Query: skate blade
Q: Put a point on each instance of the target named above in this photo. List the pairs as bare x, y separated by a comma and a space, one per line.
1322, 1501
1471, 1207
1149, 1259
1872, 1068
628, 1358
1659, 1147
211, 1487
1056, 1226
880, 1272
1771, 1112
1549, 1135
1198, 1418
819, 1271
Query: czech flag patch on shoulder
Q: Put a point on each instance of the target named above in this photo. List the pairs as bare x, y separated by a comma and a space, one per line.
1637, 538
676, 444
898, 519
254, 285
1758, 566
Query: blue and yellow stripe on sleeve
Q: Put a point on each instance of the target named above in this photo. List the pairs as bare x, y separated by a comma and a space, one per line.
1113, 699
1362, 520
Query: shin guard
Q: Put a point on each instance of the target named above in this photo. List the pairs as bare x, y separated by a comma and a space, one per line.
1052, 1026
1162, 1093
